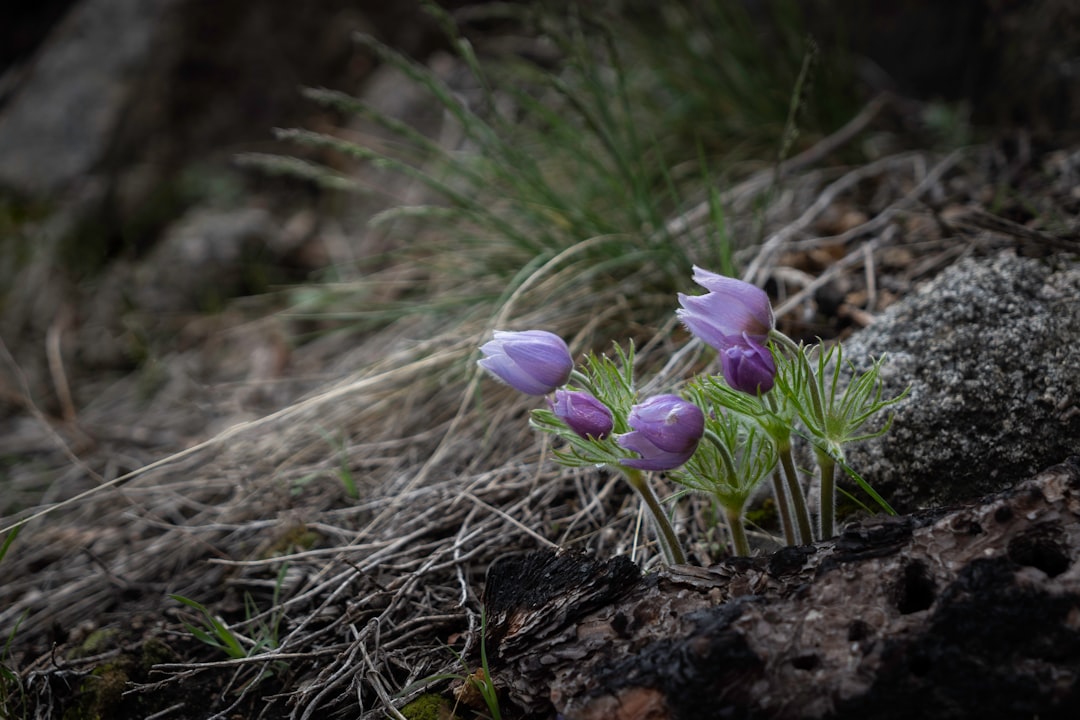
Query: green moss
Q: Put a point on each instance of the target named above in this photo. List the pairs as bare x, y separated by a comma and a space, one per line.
429, 706
294, 538
154, 652
100, 693
763, 515
97, 642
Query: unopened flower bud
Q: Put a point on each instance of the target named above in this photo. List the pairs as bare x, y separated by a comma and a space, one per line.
666, 431
748, 368
583, 413
534, 362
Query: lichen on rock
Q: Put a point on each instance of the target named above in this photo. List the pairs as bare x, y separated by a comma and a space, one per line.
991, 351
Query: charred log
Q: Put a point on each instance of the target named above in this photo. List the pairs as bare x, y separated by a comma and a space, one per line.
970, 611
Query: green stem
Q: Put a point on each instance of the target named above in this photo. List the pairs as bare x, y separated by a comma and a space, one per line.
738, 532
828, 494
815, 393
723, 451
784, 340
669, 544
783, 507
583, 380
798, 500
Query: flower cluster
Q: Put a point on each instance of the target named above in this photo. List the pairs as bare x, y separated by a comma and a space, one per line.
727, 433
665, 429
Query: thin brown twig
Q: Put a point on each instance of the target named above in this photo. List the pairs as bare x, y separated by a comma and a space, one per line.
54, 353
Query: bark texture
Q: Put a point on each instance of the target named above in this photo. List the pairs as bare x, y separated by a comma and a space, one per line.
968, 611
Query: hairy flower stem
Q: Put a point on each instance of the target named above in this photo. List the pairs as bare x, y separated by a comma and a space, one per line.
810, 377
738, 532
828, 494
669, 544
582, 380
798, 499
783, 507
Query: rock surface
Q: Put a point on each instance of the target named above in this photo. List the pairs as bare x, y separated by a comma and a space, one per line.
991, 350
959, 614
130, 91
57, 128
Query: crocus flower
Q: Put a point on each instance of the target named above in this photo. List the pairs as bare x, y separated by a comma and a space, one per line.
534, 362
666, 431
735, 318
583, 413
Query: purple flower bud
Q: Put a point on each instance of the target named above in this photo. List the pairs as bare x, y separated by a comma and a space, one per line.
666, 431
748, 368
534, 362
735, 318
583, 413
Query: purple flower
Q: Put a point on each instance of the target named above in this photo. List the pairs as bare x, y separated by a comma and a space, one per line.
748, 368
583, 413
735, 318
666, 431
534, 362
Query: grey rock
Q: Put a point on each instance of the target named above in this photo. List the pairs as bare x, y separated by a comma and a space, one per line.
59, 123
991, 351
202, 259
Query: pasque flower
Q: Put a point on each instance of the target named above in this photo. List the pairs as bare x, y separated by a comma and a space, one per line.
735, 318
583, 413
534, 362
666, 431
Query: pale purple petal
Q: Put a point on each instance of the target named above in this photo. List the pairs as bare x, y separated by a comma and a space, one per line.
750, 300
711, 321
534, 362
652, 458
666, 431
735, 318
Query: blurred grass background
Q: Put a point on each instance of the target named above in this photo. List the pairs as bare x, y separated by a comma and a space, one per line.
573, 154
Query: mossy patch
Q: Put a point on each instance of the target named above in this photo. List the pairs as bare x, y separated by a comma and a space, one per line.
100, 693
429, 706
97, 642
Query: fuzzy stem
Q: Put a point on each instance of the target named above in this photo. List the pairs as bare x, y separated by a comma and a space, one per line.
828, 494
798, 500
723, 451
738, 532
583, 380
815, 392
783, 507
673, 553
782, 339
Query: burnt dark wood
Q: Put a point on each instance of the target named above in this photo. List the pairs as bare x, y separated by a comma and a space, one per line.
970, 611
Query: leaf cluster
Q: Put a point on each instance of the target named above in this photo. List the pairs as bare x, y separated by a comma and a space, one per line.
732, 461
832, 407
213, 631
